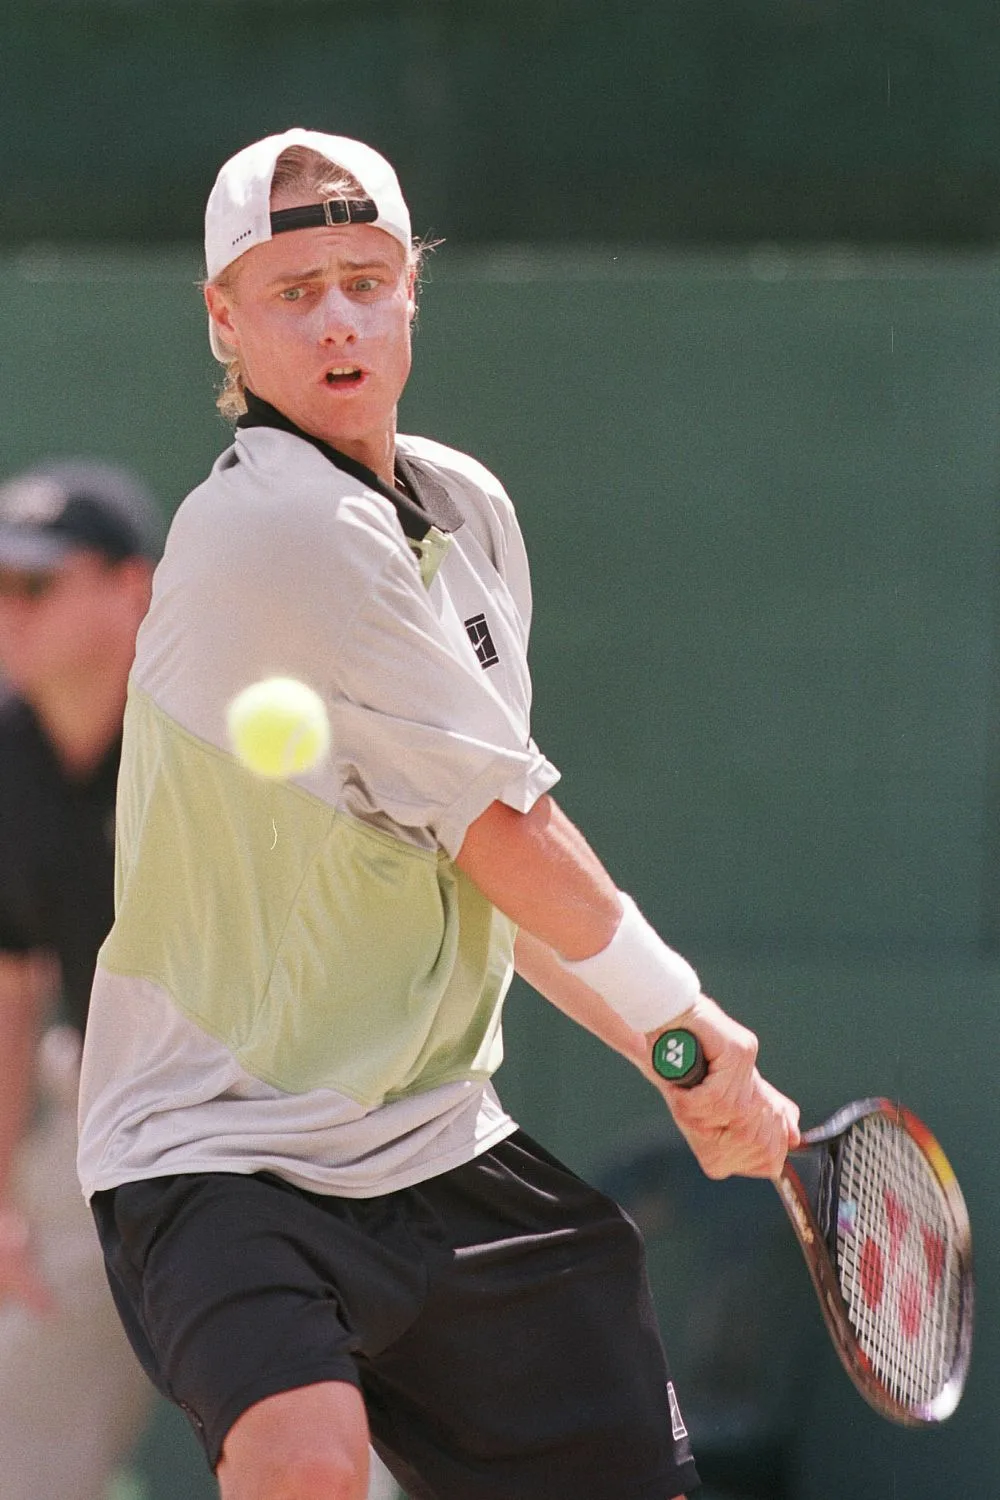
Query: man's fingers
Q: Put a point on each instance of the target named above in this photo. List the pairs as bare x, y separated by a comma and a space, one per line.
786, 1108
725, 1157
722, 1099
751, 1142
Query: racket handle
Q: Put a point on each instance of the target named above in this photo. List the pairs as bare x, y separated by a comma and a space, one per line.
678, 1057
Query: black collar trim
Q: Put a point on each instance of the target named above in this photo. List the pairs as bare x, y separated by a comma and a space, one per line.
431, 504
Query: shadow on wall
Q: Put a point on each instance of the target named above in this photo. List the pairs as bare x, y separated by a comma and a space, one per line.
736, 1309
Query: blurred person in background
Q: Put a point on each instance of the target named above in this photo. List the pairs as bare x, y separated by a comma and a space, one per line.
78, 544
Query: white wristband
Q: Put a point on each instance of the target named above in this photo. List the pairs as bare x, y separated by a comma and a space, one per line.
647, 983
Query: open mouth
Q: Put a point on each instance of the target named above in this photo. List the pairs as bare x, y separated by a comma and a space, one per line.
343, 375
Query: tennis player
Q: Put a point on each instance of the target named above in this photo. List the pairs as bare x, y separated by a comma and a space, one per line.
318, 1219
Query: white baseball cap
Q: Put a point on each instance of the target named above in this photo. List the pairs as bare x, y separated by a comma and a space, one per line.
238, 213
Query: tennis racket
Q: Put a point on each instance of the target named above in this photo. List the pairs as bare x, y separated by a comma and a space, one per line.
885, 1233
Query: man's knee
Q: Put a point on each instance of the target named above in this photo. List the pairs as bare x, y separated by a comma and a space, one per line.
325, 1476
305, 1444
325, 1470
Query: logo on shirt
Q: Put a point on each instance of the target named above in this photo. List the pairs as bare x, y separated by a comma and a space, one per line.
677, 1428
482, 641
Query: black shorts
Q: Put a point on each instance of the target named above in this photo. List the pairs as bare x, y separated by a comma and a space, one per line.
496, 1318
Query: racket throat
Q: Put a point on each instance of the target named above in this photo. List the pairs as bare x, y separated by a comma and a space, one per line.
815, 1168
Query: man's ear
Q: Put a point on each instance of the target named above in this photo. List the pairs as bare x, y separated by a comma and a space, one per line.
218, 304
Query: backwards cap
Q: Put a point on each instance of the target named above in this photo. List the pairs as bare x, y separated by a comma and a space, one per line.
238, 213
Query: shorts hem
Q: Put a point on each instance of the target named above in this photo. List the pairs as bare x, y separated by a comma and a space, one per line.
343, 1369
685, 1479
682, 1480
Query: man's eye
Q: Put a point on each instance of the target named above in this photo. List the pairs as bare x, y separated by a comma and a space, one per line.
366, 284
292, 294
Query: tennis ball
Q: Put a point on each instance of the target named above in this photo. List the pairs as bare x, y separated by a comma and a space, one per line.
278, 727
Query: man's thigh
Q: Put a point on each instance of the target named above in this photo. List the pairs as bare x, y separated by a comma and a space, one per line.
228, 1287
535, 1368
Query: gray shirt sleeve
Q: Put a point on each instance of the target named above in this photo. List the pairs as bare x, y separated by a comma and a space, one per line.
419, 725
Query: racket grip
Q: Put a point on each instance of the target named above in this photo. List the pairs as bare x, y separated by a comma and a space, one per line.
678, 1057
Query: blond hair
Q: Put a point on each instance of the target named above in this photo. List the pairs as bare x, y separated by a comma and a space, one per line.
298, 168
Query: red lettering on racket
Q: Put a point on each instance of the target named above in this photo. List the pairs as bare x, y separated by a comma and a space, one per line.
899, 1222
934, 1256
910, 1306
872, 1273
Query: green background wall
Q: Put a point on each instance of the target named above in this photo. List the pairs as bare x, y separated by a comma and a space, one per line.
759, 488
518, 120
760, 495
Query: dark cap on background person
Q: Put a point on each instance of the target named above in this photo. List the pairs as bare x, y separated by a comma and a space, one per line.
58, 508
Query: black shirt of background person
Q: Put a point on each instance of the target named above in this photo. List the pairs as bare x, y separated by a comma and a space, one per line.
56, 854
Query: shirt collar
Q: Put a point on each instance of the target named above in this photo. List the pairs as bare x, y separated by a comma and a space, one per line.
428, 502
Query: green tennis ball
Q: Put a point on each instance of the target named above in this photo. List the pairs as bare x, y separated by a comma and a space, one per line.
278, 727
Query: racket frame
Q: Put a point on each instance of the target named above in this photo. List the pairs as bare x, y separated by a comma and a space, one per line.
818, 1158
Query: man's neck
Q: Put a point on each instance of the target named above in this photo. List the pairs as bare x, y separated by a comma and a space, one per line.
375, 452
379, 456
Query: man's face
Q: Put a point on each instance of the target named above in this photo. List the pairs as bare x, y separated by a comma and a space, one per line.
56, 624
321, 321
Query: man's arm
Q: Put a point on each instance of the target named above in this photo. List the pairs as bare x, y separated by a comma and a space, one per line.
538, 965
538, 869
27, 983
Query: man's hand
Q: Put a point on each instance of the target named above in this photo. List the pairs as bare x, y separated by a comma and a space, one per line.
735, 1122
20, 1278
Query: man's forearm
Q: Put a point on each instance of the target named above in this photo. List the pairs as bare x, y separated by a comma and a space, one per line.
539, 967
539, 869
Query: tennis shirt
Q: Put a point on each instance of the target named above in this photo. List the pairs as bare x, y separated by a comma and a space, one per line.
56, 853
299, 979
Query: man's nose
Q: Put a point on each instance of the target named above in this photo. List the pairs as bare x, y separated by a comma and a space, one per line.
338, 324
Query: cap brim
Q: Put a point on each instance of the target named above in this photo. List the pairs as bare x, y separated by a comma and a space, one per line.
25, 549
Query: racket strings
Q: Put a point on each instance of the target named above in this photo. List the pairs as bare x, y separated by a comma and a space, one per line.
899, 1268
